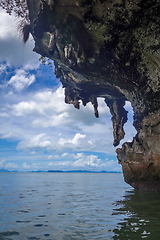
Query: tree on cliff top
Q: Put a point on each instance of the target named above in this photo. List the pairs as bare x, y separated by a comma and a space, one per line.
17, 7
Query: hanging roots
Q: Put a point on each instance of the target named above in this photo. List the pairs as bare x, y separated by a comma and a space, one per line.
24, 29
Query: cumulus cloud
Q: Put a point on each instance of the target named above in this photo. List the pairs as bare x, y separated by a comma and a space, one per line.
64, 127
8, 25
12, 49
47, 102
81, 142
91, 161
52, 121
39, 141
64, 155
27, 108
71, 155
94, 162
8, 165
25, 165
83, 161
21, 80
54, 112
75, 140
53, 157
11, 165
9, 134
40, 121
42, 124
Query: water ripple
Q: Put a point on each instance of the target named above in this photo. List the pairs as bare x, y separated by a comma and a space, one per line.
70, 206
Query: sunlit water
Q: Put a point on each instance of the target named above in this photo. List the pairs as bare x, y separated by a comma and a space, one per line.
68, 206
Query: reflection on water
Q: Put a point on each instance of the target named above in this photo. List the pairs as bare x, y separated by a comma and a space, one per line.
140, 216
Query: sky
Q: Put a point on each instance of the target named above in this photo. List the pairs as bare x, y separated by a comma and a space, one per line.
38, 131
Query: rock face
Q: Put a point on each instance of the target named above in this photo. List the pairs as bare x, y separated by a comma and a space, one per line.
109, 49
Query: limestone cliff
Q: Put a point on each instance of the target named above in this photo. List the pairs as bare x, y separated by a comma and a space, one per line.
109, 49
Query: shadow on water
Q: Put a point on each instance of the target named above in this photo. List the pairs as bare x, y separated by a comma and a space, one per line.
140, 213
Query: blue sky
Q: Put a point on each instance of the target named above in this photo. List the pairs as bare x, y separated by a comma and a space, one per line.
38, 131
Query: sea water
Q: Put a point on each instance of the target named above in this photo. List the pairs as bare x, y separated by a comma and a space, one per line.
70, 206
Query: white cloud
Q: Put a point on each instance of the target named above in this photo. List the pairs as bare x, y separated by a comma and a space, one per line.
64, 155
8, 26
41, 121
83, 161
9, 135
75, 140
27, 108
82, 144
65, 128
88, 161
102, 107
52, 121
39, 141
95, 162
4, 114
8, 165
112, 166
53, 157
2, 163
44, 102
25, 165
3, 67
79, 155
55, 112
12, 49
128, 106
11, 165
71, 156
21, 80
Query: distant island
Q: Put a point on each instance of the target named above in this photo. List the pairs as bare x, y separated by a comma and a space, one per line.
60, 171
3, 170
82, 171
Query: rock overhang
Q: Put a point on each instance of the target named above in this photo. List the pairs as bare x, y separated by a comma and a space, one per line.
108, 49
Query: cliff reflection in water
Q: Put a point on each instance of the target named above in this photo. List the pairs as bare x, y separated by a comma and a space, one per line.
140, 216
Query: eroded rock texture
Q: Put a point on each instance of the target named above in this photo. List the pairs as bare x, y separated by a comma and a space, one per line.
109, 49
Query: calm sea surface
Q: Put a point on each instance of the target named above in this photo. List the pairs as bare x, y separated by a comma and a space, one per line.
68, 206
